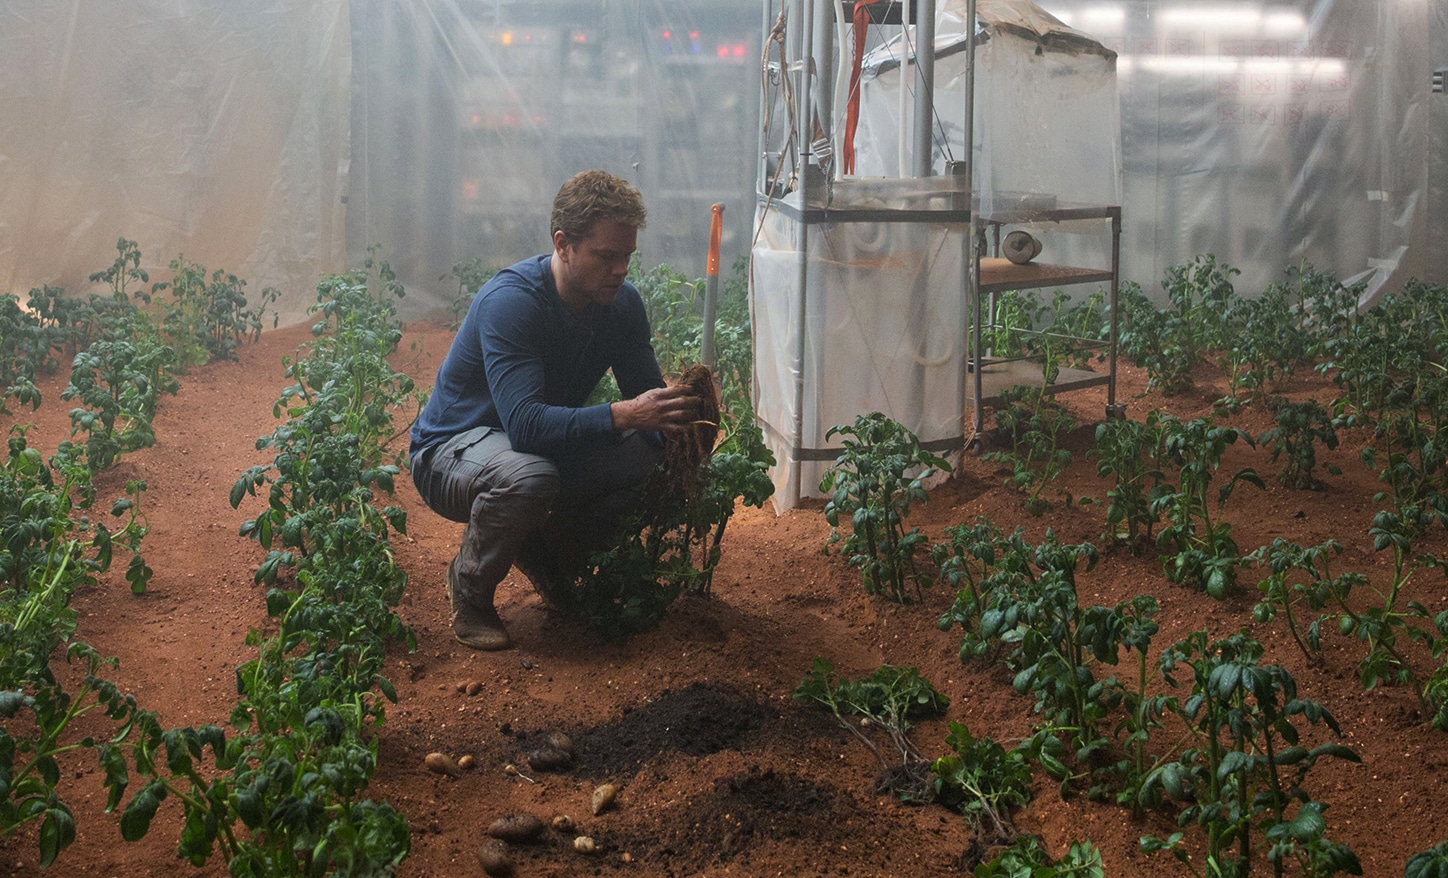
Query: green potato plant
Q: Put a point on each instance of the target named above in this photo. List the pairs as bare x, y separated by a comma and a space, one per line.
1197, 547
207, 320
871, 484
1126, 452
1025, 858
1267, 340
1170, 342
982, 781
1431, 863
884, 703
49, 548
118, 385
1242, 779
1297, 427
282, 792
1036, 425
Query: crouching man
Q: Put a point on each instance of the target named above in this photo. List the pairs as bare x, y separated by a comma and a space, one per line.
506, 443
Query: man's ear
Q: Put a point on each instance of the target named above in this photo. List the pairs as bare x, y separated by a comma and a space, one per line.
561, 245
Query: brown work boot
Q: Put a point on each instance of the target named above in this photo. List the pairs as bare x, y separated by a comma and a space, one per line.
475, 623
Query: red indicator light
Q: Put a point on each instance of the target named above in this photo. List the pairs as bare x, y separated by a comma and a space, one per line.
738, 50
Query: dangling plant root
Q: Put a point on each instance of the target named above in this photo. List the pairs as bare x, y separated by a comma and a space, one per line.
685, 450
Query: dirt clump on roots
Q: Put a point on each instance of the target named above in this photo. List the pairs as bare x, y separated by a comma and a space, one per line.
685, 449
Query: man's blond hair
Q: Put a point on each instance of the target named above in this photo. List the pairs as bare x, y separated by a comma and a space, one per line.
591, 196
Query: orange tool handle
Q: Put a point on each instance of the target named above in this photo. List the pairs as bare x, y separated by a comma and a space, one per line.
716, 234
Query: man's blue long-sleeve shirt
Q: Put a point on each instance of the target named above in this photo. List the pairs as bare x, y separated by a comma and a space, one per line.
521, 361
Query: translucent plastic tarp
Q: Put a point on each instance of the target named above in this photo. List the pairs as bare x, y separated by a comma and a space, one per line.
879, 335
469, 115
1047, 123
1271, 134
216, 130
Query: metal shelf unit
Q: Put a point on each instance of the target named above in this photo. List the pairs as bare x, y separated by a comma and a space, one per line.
995, 275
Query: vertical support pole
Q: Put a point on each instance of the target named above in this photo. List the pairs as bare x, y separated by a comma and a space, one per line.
972, 250
804, 136
924, 123
711, 288
766, 27
1112, 409
824, 52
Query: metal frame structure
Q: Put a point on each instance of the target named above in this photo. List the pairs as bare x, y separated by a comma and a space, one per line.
805, 33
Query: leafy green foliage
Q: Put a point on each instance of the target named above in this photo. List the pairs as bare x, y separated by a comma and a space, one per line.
1035, 424
25, 352
1298, 426
1267, 338
118, 384
1061, 332
871, 483
283, 795
1025, 858
1035, 622
1301, 575
1409, 447
983, 781
470, 277
1197, 548
1169, 343
207, 320
674, 545
48, 548
1126, 452
1431, 863
329, 464
1242, 779
883, 702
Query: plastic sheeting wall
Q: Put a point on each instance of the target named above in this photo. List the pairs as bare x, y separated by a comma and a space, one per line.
878, 336
213, 129
1265, 133
1269, 134
468, 116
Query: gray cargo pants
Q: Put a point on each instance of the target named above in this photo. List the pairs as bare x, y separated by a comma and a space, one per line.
562, 509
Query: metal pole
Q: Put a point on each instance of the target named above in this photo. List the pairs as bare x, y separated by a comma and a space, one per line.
924, 88
1112, 409
804, 135
972, 268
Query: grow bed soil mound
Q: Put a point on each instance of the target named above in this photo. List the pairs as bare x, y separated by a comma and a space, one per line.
719, 771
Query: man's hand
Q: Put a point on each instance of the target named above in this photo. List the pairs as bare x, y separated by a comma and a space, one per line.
663, 408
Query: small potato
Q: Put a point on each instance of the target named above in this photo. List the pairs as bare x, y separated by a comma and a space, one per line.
603, 797
584, 844
473, 688
563, 823
440, 763
493, 857
466, 761
549, 759
517, 828
559, 741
